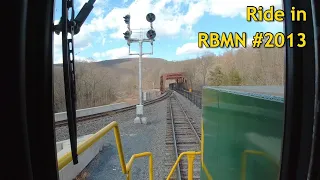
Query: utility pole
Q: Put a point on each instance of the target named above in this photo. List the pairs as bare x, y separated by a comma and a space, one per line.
151, 34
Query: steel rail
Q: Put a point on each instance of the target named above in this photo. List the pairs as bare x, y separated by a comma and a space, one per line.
197, 96
113, 112
188, 119
174, 139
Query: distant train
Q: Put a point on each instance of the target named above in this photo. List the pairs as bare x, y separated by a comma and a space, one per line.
178, 86
173, 86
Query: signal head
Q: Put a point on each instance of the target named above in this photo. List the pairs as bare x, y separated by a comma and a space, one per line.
151, 34
150, 17
127, 19
127, 35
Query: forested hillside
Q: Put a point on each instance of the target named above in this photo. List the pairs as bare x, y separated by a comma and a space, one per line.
108, 81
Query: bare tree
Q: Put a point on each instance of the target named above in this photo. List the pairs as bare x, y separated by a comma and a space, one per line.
204, 65
93, 86
58, 93
109, 81
190, 71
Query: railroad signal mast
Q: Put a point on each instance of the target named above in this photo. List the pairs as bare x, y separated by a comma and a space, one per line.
151, 34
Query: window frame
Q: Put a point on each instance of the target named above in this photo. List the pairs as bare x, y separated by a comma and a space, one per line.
299, 96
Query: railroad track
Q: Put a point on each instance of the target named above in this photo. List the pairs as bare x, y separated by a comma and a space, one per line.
182, 135
195, 97
113, 112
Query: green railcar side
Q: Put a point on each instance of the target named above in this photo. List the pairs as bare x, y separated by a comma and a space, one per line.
243, 129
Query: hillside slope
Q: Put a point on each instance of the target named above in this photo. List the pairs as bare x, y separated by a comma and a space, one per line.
126, 70
107, 81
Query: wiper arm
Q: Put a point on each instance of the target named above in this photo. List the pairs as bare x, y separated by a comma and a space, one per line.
71, 26
79, 20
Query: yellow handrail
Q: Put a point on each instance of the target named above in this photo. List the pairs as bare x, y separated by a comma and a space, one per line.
190, 155
126, 168
204, 167
135, 156
244, 160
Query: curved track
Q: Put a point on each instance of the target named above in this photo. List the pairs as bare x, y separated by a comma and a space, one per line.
113, 112
182, 135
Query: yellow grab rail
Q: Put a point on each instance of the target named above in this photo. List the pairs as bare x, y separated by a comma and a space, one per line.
191, 156
244, 160
204, 167
135, 156
126, 168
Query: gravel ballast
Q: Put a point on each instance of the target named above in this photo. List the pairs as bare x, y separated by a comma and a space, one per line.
92, 126
192, 110
136, 138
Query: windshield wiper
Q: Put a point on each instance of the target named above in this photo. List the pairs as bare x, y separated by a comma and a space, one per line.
71, 26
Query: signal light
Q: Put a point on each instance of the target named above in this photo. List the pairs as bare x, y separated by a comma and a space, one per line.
150, 17
127, 35
127, 19
151, 34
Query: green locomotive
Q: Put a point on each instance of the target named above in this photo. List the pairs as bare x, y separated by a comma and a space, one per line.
242, 132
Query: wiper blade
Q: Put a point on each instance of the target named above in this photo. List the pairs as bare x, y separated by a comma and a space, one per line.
69, 75
71, 26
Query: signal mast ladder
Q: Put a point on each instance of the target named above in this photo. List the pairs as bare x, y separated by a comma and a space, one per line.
126, 167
